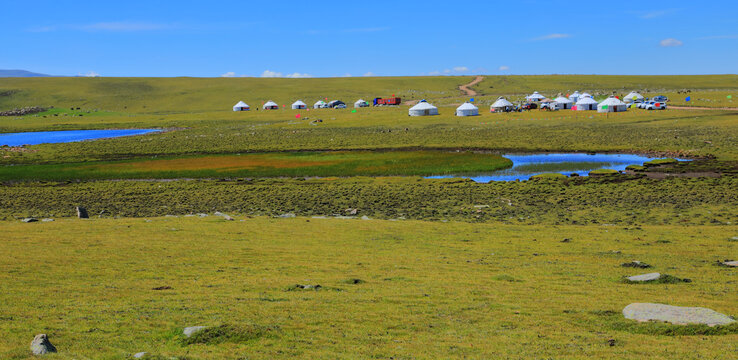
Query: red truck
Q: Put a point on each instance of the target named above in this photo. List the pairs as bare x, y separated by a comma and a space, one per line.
388, 101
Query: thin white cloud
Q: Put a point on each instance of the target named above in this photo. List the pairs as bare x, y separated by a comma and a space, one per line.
41, 29
456, 70
270, 74
715, 37
460, 69
670, 42
124, 26
297, 75
369, 74
656, 13
503, 68
228, 74
89, 74
552, 37
367, 30
346, 75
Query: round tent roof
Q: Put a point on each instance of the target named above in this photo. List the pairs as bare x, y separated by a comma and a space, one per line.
585, 95
270, 103
633, 96
241, 104
501, 102
563, 100
586, 100
612, 101
467, 106
536, 95
299, 102
320, 102
360, 101
423, 105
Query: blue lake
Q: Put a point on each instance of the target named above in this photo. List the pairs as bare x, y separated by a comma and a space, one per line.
527, 165
46, 137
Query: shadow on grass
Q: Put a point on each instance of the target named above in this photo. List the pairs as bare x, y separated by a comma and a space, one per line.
228, 334
616, 321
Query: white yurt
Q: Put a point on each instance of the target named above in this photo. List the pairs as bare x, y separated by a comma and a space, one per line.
612, 104
633, 97
299, 105
564, 103
241, 106
270, 105
586, 103
320, 104
361, 103
535, 97
423, 108
467, 109
575, 96
501, 105
584, 95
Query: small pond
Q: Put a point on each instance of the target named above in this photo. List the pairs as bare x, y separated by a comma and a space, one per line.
527, 165
51, 137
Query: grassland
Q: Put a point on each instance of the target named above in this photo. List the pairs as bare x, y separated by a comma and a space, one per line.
426, 290
300, 164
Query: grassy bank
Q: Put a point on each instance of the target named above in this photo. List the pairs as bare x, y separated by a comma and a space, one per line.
301, 164
402, 289
607, 200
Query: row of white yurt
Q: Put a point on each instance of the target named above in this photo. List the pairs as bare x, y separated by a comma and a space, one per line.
501, 105
241, 106
562, 103
299, 105
633, 97
586, 103
467, 109
612, 104
423, 108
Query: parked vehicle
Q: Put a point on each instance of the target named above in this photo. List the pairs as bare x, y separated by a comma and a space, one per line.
335, 103
660, 98
387, 101
655, 105
340, 106
529, 106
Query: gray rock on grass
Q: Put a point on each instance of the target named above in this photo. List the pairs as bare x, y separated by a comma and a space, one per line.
29, 220
41, 345
731, 263
139, 355
636, 264
189, 331
645, 277
677, 315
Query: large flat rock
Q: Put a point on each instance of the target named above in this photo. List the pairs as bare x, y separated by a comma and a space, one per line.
645, 277
675, 314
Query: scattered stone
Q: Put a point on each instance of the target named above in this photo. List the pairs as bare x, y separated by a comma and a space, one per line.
730, 263
23, 111
202, 215
47, 220
41, 345
365, 218
567, 240
287, 215
189, 331
305, 287
225, 216
354, 281
29, 220
82, 213
139, 355
163, 288
675, 314
611, 342
351, 211
645, 277
636, 264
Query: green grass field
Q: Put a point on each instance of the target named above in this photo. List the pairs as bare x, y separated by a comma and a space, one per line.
409, 268
402, 290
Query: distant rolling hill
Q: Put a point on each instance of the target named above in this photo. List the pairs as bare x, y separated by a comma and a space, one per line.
20, 73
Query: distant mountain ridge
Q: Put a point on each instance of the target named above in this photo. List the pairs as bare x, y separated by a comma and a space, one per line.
20, 73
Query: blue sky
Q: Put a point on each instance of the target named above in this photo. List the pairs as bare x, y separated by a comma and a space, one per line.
383, 38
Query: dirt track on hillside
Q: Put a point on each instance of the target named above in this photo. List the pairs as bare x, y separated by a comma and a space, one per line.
467, 88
